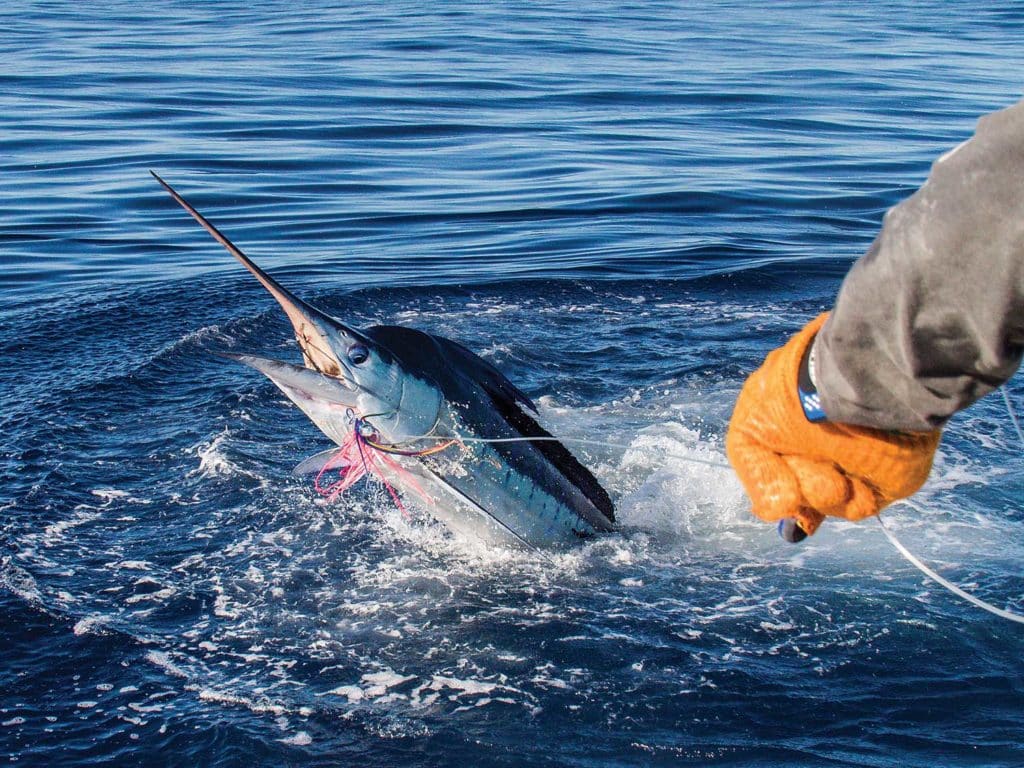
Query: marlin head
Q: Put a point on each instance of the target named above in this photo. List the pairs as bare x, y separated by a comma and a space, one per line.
346, 373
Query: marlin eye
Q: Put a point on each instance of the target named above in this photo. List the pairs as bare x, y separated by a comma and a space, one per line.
358, 354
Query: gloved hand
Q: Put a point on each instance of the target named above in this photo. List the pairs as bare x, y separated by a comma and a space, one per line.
794, 468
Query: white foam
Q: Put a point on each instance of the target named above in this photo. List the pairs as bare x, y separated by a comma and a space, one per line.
378, 683
163, 660
110, 495
213, 461
300, 739
93, 624
54, 532
351, 692
133, 565
471, 687
19, 581
157, 596
260, 706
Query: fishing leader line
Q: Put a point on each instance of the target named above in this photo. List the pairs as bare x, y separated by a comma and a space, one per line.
1000, 612
1013, 413
907, 554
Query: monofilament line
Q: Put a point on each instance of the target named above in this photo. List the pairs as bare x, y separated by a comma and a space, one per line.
1008, 615
1013, 413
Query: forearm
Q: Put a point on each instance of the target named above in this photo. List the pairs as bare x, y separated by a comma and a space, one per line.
932, 317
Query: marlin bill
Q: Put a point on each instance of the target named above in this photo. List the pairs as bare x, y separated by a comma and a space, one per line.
435, 423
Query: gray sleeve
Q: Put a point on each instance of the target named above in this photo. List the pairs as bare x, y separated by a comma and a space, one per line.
932, 317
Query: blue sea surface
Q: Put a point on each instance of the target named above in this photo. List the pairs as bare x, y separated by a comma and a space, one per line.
623, 207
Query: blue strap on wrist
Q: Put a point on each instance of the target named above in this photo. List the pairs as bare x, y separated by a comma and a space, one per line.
806, 390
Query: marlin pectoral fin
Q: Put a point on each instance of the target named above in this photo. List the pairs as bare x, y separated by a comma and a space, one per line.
315, 463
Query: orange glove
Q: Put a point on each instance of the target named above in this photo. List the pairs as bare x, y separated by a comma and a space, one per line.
796, 468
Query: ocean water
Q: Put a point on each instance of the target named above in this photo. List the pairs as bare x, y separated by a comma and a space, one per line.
624, 207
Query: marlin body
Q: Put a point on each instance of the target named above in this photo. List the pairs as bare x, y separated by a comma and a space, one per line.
492, 472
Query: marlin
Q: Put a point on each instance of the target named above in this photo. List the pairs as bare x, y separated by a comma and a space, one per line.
432, 420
